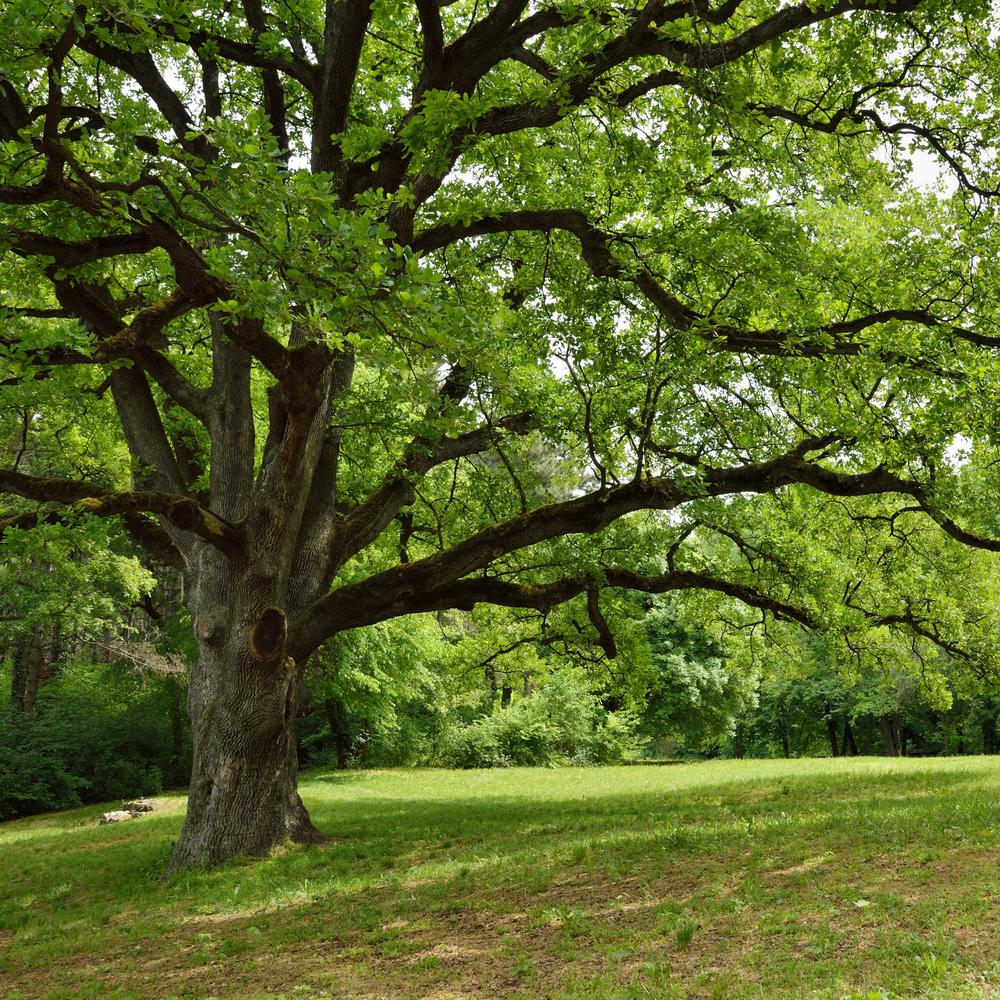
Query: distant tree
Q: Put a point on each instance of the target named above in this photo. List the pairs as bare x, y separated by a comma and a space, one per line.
694, 698
59, 588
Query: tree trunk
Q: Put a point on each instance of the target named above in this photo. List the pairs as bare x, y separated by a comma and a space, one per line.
243, 798
785, 750
18, 677
739, 744
30, 670
847, 741
336, 715
831, 731
890, 736
505, 695
56, 642
989, 725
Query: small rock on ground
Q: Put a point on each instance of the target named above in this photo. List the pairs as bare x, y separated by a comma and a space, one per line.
115, 817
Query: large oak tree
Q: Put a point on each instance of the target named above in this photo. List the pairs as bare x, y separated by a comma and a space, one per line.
352, 275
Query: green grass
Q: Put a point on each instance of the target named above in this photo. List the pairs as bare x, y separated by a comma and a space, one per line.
852, 879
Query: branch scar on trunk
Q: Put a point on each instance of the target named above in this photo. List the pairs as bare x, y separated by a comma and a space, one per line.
267, 637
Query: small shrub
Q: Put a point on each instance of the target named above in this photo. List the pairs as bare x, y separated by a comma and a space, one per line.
562, 722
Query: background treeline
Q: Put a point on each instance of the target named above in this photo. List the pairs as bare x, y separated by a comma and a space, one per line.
898, 656
97, 711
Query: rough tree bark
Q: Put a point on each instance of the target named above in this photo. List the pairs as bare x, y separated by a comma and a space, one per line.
244, 688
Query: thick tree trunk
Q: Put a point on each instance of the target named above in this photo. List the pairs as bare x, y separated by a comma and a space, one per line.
847, 742
243, 797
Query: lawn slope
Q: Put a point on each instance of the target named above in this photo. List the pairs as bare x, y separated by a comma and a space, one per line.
741, 879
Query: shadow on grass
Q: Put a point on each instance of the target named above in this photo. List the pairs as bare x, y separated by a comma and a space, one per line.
393, 840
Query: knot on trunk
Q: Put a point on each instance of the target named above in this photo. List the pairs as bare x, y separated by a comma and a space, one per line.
267, 637
185, 514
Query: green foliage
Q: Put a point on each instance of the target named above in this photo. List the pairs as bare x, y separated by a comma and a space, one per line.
98, 733
694, 696
383, 679
79, 574
560, 722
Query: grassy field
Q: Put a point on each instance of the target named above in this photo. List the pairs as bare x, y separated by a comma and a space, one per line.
855, 879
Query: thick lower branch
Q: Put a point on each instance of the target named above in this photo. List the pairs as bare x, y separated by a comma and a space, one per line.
180, 511
404, 589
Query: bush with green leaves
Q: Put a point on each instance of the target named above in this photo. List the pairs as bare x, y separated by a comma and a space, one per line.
694, 696
562, 722
99, 733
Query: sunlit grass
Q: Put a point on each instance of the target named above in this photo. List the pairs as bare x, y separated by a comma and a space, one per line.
785, 879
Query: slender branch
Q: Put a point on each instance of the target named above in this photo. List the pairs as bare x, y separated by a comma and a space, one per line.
369, 519
289, 63
789, 19
274, 92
